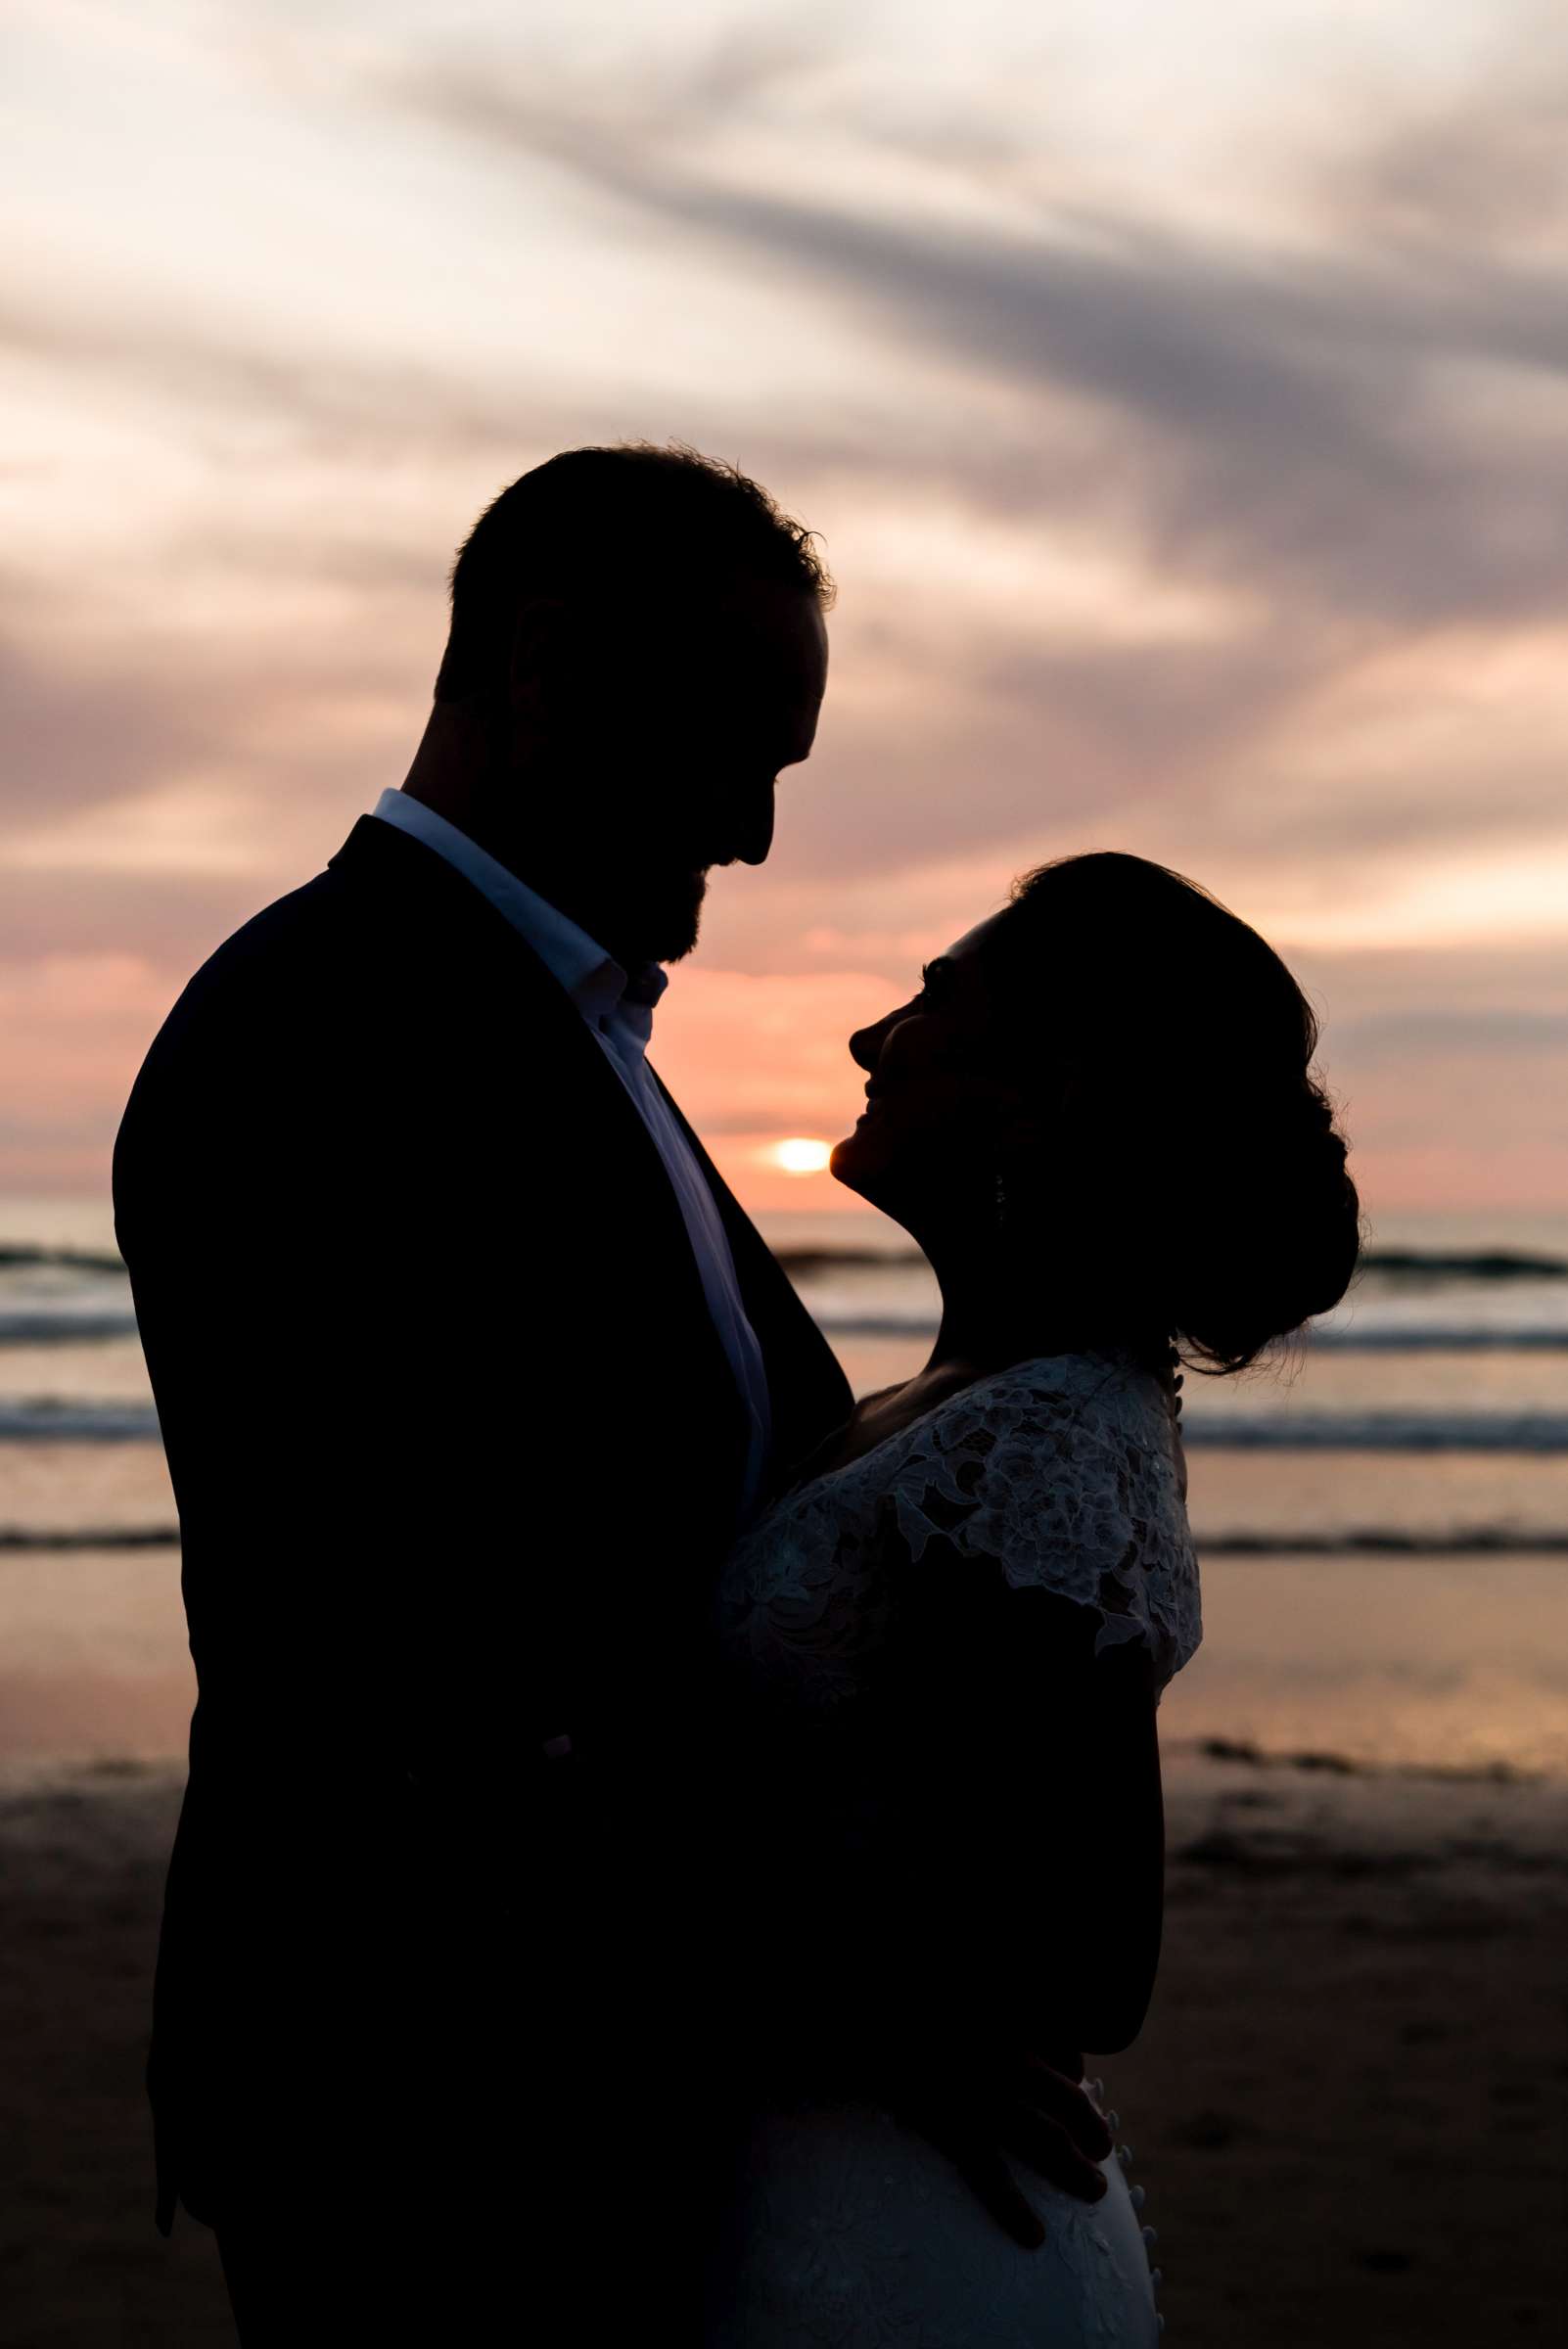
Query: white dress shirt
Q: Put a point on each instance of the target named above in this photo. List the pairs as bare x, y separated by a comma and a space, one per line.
617, 1011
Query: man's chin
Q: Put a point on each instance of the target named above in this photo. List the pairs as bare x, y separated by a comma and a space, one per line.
674, 917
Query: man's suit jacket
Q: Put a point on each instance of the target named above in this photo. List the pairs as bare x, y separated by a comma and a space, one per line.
456, 1451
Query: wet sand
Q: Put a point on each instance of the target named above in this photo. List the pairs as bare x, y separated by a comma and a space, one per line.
1348, 2109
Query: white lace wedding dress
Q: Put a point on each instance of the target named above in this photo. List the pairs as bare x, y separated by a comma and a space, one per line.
1064, 1472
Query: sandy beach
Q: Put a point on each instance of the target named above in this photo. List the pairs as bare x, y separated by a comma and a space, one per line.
1347, 2108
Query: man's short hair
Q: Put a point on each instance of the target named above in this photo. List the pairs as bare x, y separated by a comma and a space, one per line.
609, 530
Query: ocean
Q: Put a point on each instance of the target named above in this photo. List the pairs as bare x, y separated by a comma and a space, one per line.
1381, 1516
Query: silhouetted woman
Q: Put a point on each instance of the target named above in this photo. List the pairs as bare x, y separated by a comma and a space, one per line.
946, 1641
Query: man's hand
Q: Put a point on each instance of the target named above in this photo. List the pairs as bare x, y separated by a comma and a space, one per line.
986, 2111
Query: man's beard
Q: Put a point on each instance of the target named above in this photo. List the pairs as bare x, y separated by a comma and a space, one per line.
667, 914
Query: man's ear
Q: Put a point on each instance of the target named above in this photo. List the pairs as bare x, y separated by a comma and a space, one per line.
539, 655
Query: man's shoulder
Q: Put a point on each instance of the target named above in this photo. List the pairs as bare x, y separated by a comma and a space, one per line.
292, 955
310, 916
376, 927
385, 964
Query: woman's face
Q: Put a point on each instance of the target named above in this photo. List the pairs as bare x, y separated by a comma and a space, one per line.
940, 1107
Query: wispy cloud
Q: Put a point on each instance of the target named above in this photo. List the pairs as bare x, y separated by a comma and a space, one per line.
1264, 413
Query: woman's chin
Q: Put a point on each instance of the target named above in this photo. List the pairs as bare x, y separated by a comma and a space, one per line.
850, 1163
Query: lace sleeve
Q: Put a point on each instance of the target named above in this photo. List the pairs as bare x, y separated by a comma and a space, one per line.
1066, 1473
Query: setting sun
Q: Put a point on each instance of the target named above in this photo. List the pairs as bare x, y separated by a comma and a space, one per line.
799, 1155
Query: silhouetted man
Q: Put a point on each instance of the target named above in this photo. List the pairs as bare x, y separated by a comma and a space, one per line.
468, 1367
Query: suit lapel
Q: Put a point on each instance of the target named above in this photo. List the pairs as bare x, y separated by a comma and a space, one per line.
482, 935
807, 1391
517, 993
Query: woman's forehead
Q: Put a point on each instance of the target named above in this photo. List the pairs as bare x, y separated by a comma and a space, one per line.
973, 942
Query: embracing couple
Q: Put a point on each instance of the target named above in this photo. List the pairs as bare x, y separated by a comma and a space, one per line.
662, 1834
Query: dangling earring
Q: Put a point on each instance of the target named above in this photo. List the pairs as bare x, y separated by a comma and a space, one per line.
998, 1210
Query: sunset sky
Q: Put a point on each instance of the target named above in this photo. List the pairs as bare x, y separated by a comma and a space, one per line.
1179, 394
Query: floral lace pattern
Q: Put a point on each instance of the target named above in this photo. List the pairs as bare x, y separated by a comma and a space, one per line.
1064, 1472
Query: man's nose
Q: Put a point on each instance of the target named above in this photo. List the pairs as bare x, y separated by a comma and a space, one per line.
753, 834
864, 1045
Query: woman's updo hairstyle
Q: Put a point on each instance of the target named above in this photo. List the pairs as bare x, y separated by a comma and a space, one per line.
1193, 1178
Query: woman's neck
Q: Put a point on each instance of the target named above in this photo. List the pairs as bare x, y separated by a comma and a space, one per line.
999, 1308
991, 1315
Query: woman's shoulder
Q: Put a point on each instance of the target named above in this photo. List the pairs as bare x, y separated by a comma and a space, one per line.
1066, 1470
1079, 1384
1056, 1413
1059, 1469
1038, 1413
